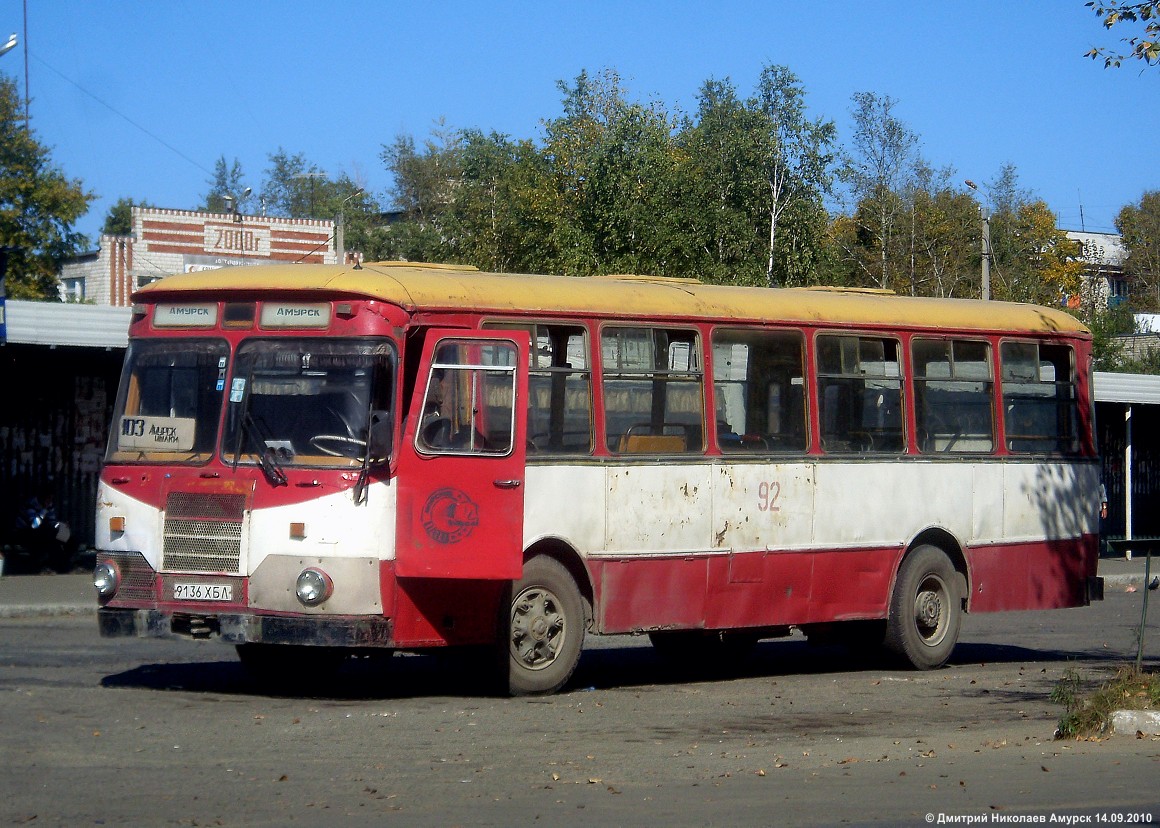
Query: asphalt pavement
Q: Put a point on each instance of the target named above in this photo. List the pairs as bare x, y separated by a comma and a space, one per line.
72, 594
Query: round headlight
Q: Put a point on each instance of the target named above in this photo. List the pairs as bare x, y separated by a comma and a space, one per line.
313, 587
106, 579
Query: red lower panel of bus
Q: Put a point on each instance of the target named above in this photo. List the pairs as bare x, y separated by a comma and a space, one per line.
432, 612
781, 588
743, 590
1047, 575
758, 589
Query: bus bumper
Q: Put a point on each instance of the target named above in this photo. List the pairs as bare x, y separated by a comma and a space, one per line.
247, 629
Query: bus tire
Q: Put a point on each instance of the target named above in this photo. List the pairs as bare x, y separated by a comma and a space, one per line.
925, 609
544, 629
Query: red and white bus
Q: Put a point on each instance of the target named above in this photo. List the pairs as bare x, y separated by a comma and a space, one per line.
309, 460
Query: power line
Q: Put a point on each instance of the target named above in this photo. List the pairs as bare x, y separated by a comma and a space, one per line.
122, 115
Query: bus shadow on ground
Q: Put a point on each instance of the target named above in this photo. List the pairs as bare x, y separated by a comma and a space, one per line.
604, 668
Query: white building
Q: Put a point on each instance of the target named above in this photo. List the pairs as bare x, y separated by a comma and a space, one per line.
1103, 256
180, 241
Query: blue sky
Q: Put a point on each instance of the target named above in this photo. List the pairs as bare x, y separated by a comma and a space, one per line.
138, 99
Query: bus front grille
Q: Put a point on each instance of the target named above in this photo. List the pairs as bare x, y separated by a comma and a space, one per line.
203, 532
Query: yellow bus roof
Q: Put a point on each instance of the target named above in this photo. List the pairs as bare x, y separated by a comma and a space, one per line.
426, 287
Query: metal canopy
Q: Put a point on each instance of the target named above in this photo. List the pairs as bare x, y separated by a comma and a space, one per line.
52, 323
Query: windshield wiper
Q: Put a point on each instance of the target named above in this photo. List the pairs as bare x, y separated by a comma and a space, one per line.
267, 456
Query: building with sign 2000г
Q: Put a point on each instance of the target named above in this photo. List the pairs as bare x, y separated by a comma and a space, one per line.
181, 241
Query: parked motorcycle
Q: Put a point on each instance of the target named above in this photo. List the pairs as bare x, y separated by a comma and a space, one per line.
40, 540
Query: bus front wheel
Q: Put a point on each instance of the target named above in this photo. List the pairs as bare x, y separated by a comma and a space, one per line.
925, 609
545, 629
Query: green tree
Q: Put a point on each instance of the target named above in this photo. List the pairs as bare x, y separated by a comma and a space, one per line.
424, 188
944, 233
1107, 324
796, 158
228, 182
293, 187
39, 205
718, 169
502, 215
119, 221
1144, 46
1033, 260
880, 170
1139, 226
612, 165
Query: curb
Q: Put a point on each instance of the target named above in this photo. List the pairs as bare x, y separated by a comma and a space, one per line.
46, 610
1131, 722
1126, 579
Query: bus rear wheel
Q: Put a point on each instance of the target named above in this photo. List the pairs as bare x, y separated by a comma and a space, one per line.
545, 628
925, 609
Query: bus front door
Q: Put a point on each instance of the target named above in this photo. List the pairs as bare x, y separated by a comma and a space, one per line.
461, 459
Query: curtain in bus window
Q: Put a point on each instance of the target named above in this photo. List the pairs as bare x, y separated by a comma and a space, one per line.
1040, 413
559, 389
759, 390
859, 394
953, 396
469, 403
652, 390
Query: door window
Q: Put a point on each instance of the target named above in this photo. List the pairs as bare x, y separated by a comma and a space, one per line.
469, 401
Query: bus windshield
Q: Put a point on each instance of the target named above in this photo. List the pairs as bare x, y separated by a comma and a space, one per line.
169, 403
308, 402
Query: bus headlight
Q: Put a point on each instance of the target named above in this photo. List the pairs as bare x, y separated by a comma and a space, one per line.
106, 578
313, 587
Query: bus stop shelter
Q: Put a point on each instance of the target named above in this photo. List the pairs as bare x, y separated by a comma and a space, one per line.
59, 367
1128, 435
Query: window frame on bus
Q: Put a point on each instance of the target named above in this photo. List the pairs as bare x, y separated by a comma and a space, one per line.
954, 439
560, 375
1018, 440
463, 435
860, 442
775, 438
654, 436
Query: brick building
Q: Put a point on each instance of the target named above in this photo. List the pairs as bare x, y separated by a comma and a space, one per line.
180, 241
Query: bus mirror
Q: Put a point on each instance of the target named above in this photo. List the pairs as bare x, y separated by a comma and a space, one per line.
381, 435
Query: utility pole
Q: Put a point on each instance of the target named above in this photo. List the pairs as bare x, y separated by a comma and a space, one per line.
985, 292
986, 254
27, 117
340, 227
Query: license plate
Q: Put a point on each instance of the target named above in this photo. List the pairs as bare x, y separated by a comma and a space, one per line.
203, 592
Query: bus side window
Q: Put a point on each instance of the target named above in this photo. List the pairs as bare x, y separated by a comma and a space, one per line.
652, 384
559, 388
1040, 402
860, 394
759, 390
954, 404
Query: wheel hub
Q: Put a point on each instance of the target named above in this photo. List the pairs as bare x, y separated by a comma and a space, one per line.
538, 628
930, 610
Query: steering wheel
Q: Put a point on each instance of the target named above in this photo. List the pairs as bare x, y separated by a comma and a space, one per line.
336, 445
436, 431
344, 414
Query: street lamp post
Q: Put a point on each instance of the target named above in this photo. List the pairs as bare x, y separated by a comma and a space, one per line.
986, 276
340, 227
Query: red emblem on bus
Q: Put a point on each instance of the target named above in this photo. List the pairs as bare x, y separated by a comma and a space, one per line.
449, 516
